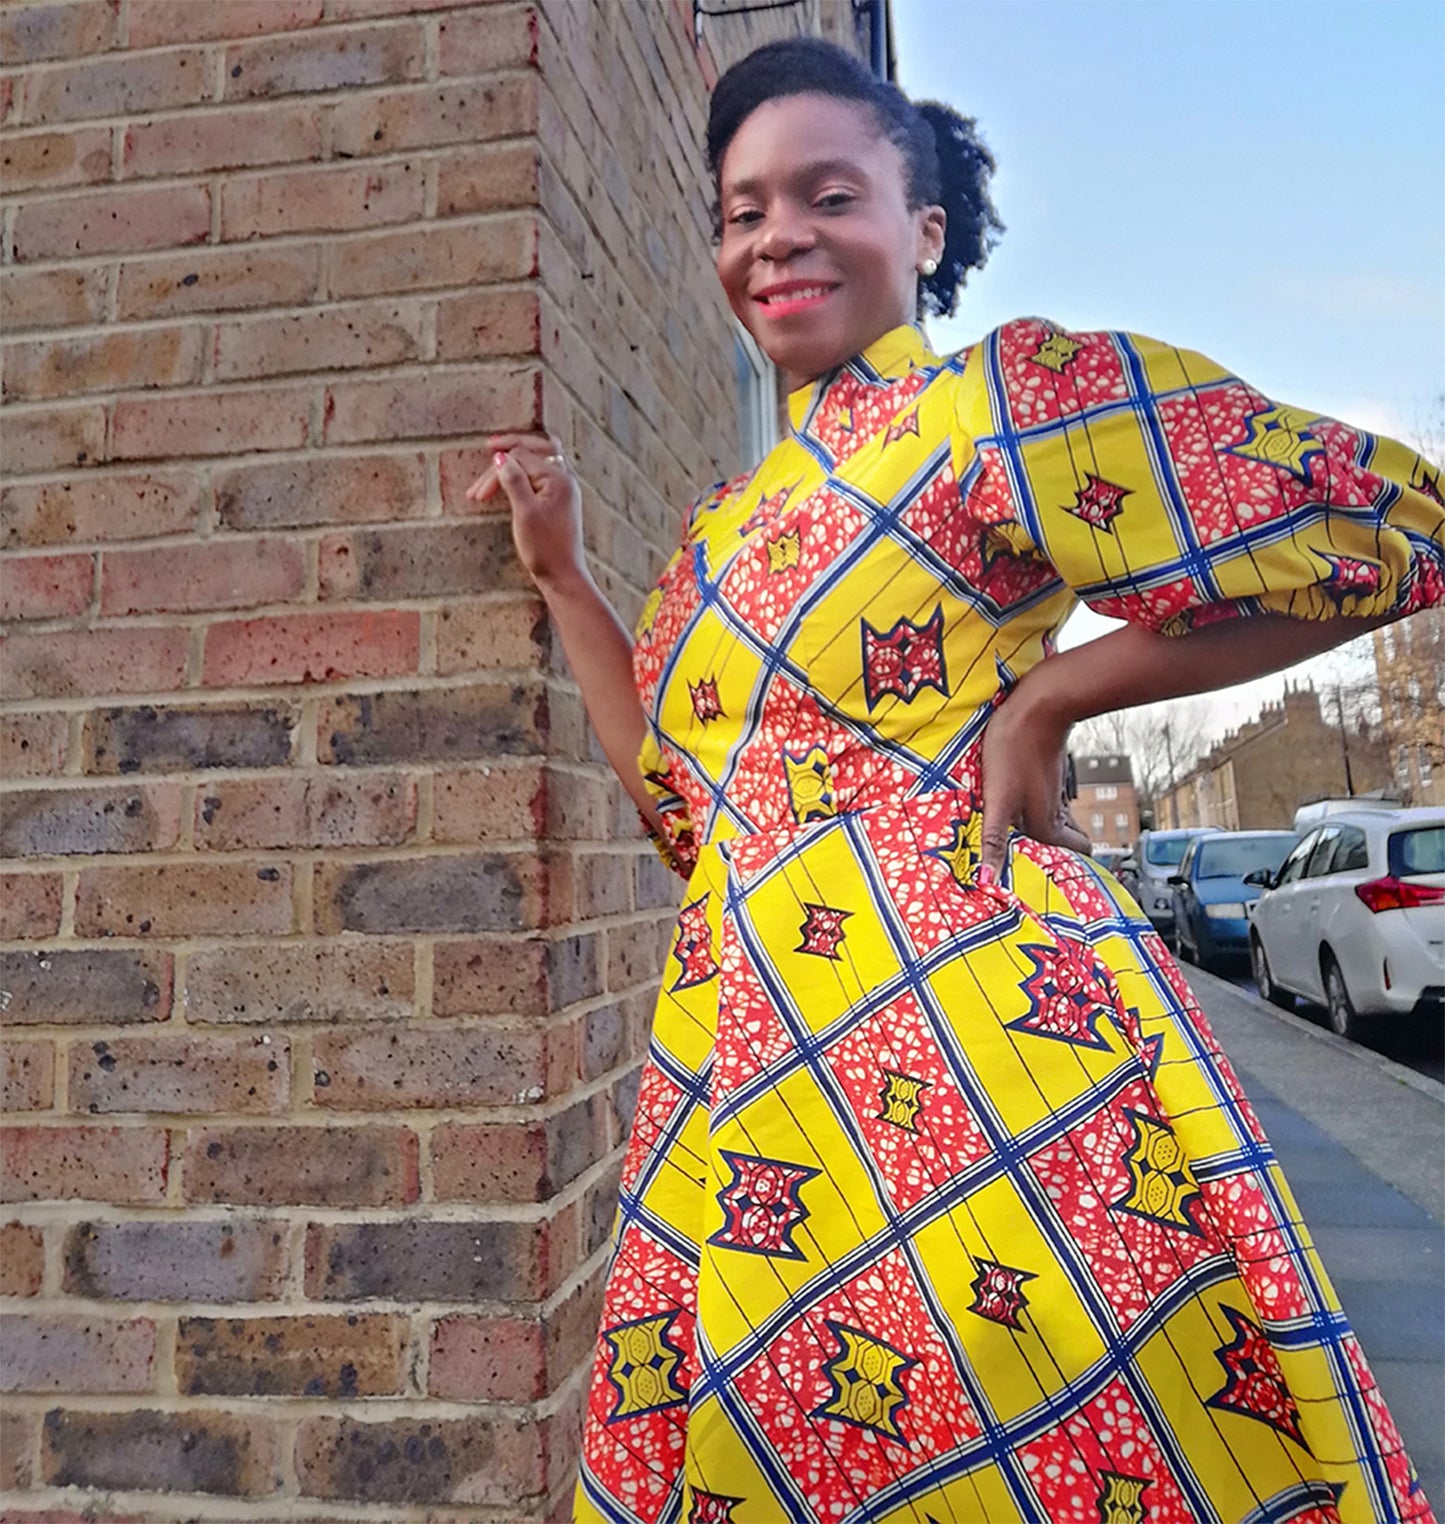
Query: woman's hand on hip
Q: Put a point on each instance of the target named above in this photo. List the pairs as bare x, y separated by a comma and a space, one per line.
546, 503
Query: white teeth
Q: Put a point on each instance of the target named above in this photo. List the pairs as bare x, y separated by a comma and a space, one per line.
796, 296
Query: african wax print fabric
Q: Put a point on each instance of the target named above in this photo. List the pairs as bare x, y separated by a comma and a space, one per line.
942, 1205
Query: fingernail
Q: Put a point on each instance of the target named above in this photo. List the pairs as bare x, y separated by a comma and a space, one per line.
499, 460
986, 875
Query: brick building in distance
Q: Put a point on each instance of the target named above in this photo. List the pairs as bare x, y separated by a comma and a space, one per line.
1107, 805
329, 944
1410, 679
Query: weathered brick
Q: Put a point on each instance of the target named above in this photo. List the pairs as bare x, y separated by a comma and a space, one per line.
31, 33
519, 1161
66, 663
435, 724
46, 587
602, 883
104, 362
312, 648
351, 981
154, 23
210, 140
123, 1165
475, 892
104, 506
218, 280
43, 160
29, 906
486, 323
240, 1260
306, 810
151, 739
333, 59
19, 1441
489, 804
417, 1260
634, 950
486, 177
59, 1352
396, 1067
427, 561
224, 1454
112, 222
456, 111
166, 1074
22, 1259
126, 84
210, 423
333, 199
330, 490
483, 41
219, 574
83, 986
54, 438
452, 254
51, 298
329, 1166
368, 10
27, 1075
530, 977
370, 334
33, 745
56, 822
327, 1355
184, 899
429, 403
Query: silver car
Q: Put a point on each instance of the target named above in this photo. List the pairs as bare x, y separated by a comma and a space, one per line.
1147, 871
1355, 919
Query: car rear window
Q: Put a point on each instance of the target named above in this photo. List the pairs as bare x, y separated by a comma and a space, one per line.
1421, 851
1166, 853
1234, 856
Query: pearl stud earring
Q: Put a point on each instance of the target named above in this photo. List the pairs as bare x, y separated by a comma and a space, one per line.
928, 267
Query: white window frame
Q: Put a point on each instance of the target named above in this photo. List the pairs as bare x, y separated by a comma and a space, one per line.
758, 409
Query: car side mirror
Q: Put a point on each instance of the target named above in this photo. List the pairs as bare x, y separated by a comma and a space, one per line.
1177, 878
1261, 878
1128, 865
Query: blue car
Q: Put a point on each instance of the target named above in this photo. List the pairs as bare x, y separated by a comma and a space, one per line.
1211, 900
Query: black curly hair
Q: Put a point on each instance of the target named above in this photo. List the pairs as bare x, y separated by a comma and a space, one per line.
948, 163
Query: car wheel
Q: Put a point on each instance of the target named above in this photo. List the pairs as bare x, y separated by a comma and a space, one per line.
1264, 979
1344, 1021
1182, 945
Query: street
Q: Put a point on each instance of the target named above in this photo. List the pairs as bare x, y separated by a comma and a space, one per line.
1362, 1142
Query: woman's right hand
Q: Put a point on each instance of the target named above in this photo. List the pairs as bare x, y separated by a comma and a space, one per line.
546, 503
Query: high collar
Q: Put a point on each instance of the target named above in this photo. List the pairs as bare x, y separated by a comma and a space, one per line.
889, 357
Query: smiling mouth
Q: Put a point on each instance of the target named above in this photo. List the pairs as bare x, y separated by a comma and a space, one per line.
794, 298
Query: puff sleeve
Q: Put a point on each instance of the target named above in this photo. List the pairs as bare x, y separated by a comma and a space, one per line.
1168, 492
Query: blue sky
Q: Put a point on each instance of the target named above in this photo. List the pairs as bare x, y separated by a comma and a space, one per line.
1263, 181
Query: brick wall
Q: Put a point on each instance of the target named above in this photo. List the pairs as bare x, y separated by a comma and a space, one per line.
328, 943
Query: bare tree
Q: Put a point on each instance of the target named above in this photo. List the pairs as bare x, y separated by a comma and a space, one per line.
1162, 741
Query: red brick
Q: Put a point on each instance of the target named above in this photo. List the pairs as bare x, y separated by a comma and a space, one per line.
112, 222
218, 280
392, 1067
165, 1260
123, 1165
500, 976
375, 334
210, 423
59, 822
312, 648
116, 360
302, 1166
192, 1451
326, 490
367, 10
513, 633
86, 986
319, 981
153, 23
103, 506
420, 561
43, 160
29, 906
452, 254
211, 140
489, 804
435, 724
184, 899
519, 1161
76, 1352
122, 85
19, 1442
493, 38
219, 574
333, 59
429, 403
27, 1075
46, 587
306, 810
483, 324
477, 892
459, 468
325, 1355
486, 178
51, 439
456, 111
22, 1260
31, 33
173, 1074
65, 663
33, 745
164, 738
51, 298
334, 199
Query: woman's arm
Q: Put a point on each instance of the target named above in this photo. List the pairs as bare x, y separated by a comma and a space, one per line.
1023, 745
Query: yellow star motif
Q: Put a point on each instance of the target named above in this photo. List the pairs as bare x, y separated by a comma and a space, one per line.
1162, 1184
866, 1388
785, 551
958, 856
902, 1098
1278, 436
648, 617
1056, 352
810, 785
644, 1365
1121, 1500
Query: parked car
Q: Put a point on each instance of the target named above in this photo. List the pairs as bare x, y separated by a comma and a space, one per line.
1156, 858
1355, 919
1212, 900
1109, 857
1319, 810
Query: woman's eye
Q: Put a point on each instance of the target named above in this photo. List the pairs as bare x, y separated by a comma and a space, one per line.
835, 200
745, 216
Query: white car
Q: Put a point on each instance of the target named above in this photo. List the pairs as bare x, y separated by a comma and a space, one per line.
1355, 918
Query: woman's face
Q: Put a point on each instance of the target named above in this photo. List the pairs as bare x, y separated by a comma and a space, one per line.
819, 252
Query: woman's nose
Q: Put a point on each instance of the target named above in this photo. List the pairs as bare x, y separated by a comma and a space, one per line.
786, 232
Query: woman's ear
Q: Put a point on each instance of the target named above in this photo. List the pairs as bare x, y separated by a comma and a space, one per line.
932, 230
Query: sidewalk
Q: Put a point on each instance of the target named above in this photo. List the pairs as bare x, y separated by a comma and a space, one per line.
1362, 1141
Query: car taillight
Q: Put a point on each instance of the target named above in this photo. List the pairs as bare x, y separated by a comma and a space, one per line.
1398, 894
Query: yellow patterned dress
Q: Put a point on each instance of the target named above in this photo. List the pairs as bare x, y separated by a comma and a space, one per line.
942, 1205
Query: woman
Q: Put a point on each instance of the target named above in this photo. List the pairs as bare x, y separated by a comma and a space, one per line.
941, 1202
